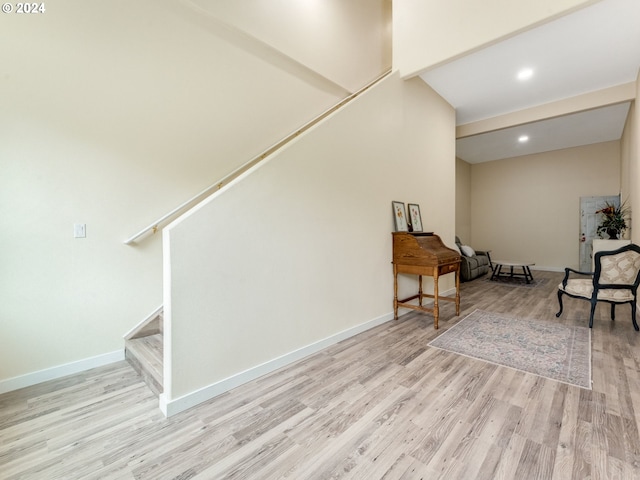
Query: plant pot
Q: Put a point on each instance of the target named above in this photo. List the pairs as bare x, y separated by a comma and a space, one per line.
613, 234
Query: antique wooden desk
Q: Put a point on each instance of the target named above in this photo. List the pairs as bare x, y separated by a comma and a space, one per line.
423, 254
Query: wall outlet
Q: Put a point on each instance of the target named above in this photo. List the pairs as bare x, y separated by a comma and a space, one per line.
79, 230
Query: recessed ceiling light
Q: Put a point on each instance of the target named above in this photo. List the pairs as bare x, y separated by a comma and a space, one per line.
523, 138
525, 74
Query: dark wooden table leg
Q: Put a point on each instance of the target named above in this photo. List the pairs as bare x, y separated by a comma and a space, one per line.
527, 274
458, 292
395, 292
496, 271
436, 311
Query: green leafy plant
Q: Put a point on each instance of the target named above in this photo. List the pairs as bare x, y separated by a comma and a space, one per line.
614, 219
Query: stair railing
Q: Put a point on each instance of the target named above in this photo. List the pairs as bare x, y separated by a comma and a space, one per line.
155, 226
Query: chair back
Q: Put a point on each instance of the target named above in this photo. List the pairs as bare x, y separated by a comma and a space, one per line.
618, 268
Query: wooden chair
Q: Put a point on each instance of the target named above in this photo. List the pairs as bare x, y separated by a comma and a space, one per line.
615, 281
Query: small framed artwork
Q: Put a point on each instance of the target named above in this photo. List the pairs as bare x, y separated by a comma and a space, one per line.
414, 217
400, 217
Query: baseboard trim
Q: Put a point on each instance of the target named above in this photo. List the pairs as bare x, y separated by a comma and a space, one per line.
548, 269
172, 407
59, 371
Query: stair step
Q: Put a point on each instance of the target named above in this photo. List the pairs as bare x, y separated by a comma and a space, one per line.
146, 357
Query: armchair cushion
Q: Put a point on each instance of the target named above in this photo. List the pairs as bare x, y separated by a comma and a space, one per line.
583, 287
621, 269
467, 251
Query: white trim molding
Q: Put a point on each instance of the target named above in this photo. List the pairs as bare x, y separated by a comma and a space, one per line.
59, 371
172, 407
548, 269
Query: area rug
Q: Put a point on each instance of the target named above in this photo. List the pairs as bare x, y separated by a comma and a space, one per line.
516, 282
547, 349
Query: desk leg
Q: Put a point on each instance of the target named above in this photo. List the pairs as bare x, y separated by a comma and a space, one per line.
458, 293
436, 312
395, 292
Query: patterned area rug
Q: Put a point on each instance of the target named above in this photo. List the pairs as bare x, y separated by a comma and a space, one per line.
515, 282
546, 349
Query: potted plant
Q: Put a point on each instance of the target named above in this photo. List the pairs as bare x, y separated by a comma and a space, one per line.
614, 220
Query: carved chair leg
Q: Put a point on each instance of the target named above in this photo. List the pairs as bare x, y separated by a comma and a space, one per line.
560, 302
593, 310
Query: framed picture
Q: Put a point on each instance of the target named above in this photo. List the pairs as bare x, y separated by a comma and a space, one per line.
414, 216
400, 217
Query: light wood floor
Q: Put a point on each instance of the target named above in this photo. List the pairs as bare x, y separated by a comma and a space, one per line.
379, 405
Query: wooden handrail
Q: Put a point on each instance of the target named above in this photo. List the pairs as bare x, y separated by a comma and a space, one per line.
153, 227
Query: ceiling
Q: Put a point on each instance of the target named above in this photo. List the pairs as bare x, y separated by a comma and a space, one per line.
594, 48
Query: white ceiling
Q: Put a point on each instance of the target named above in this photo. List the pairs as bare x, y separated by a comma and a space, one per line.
593, 126
594, 48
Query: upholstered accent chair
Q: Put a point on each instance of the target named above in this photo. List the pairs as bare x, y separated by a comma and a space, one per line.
474, 263
615, 281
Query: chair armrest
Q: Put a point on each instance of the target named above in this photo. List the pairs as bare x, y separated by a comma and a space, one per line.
482, 252
577, 272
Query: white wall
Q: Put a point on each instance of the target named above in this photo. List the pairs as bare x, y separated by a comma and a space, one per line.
528, 208
427, 33
300, 250
113, 113
335, 33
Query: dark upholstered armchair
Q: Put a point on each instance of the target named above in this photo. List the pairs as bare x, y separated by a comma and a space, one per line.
474, 262
615, 280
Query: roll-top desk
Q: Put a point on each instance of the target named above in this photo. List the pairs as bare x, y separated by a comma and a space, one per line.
423, 254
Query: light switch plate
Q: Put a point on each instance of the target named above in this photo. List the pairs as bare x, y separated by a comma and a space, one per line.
79, 230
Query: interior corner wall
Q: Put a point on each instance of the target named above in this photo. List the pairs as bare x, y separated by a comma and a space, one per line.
427, 33
528, 208
630, 175
300, 250
626, 164
463, 200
